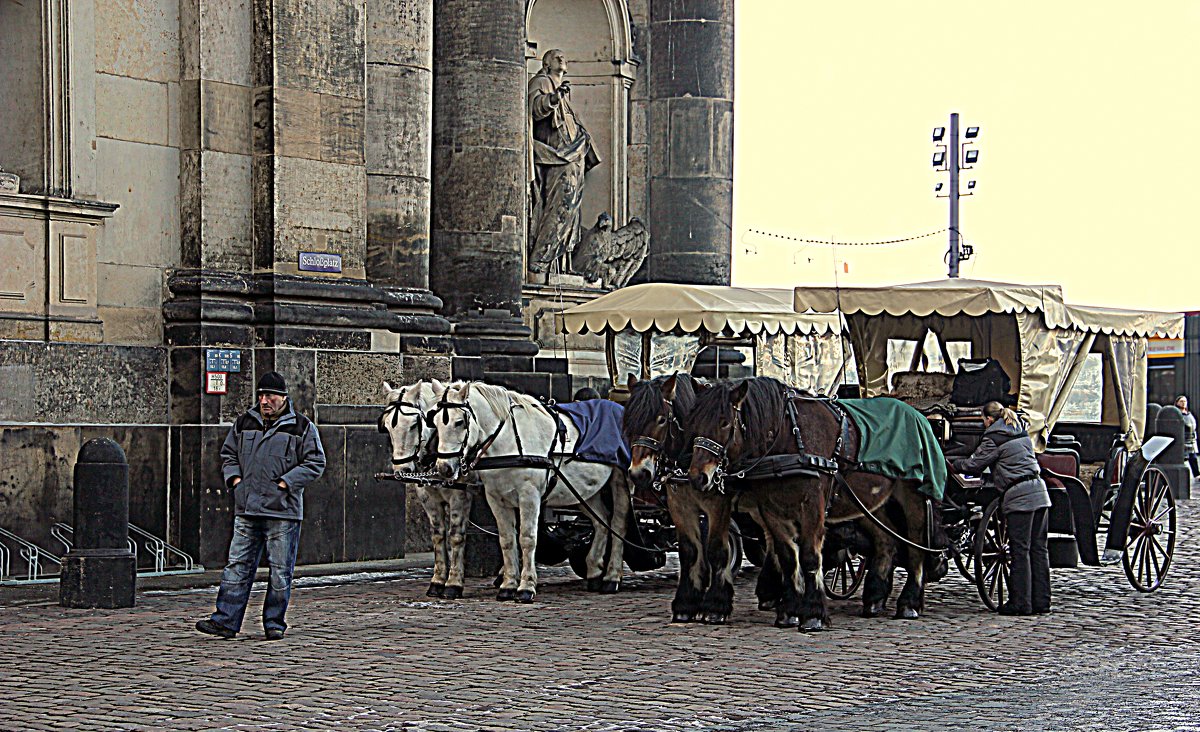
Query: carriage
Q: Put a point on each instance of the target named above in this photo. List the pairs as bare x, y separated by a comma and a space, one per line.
914, 341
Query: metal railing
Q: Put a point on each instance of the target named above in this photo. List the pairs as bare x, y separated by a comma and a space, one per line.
168, 559
33, 556
65, 534
162, 551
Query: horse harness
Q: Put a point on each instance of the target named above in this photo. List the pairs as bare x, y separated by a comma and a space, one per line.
669, 465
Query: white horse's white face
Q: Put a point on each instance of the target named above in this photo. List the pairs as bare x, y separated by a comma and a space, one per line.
457, 430
403, 420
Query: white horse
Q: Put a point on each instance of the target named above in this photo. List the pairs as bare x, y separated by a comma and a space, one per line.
475, 420
448, 506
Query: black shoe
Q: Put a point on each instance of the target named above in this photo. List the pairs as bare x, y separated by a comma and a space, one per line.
1009, 609
274, 634
211, 628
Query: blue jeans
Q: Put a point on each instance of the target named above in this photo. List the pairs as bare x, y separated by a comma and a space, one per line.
280, 538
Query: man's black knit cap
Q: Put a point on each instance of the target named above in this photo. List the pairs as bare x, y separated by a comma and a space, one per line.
272, 383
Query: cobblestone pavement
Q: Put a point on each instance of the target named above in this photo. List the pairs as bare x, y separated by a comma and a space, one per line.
376, 654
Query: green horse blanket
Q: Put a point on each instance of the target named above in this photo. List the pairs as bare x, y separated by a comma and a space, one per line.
897, 441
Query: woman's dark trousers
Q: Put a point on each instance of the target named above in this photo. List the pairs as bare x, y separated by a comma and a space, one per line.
1029, 583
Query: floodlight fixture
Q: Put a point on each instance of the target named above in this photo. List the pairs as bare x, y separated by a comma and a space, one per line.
938, 187
972, 132
971, 157
970, 185
939, 159
938, 133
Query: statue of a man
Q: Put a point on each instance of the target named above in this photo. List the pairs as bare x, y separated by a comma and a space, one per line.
561, 151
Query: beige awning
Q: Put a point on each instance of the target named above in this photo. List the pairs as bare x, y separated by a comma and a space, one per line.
666, 307
1112, 321
950, 297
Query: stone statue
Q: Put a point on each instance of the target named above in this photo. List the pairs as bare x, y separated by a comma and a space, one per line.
609, 256
561, 153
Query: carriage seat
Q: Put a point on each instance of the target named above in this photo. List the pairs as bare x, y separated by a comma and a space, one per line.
922, 389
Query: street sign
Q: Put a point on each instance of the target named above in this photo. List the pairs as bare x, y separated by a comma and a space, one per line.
216, 382
320, 262
221, 359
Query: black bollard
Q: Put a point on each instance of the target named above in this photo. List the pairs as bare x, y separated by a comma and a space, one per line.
1172, 461
100, 571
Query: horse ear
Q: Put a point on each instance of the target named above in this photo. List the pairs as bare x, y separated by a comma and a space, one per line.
668, 389
738, 394
388, 388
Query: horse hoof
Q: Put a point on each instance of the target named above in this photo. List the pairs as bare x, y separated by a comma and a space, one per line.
715, 619
498, 581
768, 604
505, 595
525, 596
454, 592
436, 589
811, 625
907, 613
872, 611
787, 621
594, 585
683, 618
610, 588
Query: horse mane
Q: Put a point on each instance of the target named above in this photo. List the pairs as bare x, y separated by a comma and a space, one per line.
645, 400
498, 398
762, 412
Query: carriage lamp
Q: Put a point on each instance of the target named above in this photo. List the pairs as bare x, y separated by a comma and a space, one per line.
939, 133
972, 132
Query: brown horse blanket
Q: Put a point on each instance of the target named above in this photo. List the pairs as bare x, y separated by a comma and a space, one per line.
896, 440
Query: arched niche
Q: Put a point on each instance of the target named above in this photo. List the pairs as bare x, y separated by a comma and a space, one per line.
595, 36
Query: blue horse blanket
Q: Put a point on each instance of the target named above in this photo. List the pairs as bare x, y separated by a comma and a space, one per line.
600, 437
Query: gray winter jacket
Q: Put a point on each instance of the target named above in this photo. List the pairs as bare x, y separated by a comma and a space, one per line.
288, 450
1008, 451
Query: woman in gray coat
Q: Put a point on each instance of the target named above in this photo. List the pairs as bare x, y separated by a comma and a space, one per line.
1008, 451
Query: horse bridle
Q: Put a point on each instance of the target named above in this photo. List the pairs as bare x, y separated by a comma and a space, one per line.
721, 451
396, 408
653, 445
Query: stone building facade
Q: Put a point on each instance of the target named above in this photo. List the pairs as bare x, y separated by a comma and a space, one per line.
172, 168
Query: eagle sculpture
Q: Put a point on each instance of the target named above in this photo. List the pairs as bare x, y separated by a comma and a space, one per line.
611, 256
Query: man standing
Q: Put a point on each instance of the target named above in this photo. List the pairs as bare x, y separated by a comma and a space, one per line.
270, 454
562, 152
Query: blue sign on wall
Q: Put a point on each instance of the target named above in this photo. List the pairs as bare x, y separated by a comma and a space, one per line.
220, 359
320, 262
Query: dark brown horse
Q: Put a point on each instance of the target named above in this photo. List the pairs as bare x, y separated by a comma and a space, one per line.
735, 428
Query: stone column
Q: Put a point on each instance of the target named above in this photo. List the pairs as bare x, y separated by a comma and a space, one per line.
691, 141
479, 164
398, 127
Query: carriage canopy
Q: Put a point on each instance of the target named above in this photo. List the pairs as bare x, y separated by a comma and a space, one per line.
1041, 341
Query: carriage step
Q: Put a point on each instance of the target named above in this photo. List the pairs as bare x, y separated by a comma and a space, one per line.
1064, 552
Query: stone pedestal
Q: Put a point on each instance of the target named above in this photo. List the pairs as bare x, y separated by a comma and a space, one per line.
100, 571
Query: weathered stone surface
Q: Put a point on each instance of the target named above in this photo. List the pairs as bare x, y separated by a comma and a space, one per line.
376, 517
398, 231
22, 136
355, 378
319, 207
464, 204
474, 106
138, 39
215, 210
705, 10
400, 32
144, 179
697, 139
216, 39
128, 285
318, 45
299, 369
417, 368
342, 129
216, 116
132, 109
132, 325
399, 109
87, 383
474, 272
675, 48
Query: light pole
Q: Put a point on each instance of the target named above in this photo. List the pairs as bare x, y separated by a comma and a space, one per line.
955, 158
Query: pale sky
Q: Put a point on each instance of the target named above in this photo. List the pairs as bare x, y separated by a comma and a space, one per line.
1089, 143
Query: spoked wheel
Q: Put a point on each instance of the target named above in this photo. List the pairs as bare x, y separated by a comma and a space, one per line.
844, 578
1115, 472
1151, 532
992, 558
965, 561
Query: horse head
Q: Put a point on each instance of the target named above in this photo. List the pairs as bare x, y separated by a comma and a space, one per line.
456, 428
716, 433
653, 425
412, 439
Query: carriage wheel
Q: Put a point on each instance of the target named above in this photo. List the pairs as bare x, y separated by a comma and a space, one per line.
1115, 472
965, 561
992, 558
1151, 532
844, 578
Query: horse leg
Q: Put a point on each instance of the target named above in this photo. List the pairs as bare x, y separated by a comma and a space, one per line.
911, 602
529, 511
717, 604
622, 508
814, 612
596, 551
769, 587
784, 558
506, 530
877, 585
459, 505
685, 514
434, 509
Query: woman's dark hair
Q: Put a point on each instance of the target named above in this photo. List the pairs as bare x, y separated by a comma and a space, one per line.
586, 393
997, 411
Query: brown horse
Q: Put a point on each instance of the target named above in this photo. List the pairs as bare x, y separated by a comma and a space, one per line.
735, 428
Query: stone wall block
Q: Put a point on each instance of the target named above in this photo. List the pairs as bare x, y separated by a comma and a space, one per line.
342, 132
639, 182
691, 213
376, 514
324, 533
398, 231
319, 45
709, 10
35, 481
461, 257
227, 117
226, 42
132, 109
227, 215
138, 39
399, 109
486, 90
700, 138
480, 29
299, 369
465, 205
129, 286
417, 368
144, 179
320, 207
297, 123
355, 378
675, 49
400, 32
